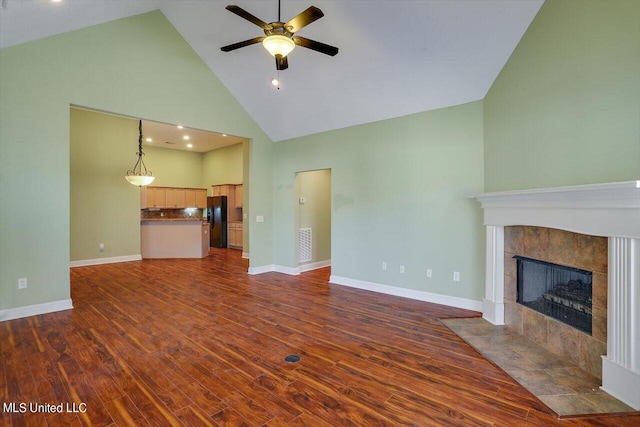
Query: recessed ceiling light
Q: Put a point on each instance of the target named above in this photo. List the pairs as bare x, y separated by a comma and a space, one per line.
149, 140
56, 1
186, 137
189, 145
180, 127
224, 134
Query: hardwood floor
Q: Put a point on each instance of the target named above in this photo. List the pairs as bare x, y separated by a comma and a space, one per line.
200, 342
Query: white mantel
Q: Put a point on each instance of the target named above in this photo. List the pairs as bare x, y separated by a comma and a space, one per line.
610, 210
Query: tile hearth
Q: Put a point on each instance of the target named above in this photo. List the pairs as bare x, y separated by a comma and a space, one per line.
560, 384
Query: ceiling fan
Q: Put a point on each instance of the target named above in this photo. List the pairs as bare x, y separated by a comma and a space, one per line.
279, 37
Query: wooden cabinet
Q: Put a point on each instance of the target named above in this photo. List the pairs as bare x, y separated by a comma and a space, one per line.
172, 198
234, 235
221, 190
152, 197
238, 191
201, 198
175, 198
196, 198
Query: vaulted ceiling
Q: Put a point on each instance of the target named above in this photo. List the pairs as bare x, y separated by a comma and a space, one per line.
396, 57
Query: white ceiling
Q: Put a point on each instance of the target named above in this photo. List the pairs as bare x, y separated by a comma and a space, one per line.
397, 57
163, 135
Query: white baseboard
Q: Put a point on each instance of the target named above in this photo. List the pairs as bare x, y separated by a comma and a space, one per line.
35, 309
245, 255
262, 269
314, 265
98, 261
292, 271
450, 301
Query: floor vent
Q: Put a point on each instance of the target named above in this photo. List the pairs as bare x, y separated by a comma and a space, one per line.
304, 245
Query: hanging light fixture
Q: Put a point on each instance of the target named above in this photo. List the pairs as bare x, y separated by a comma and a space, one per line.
139, 175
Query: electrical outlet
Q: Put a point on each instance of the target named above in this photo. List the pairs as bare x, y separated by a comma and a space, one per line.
101, 247
22, 283
384, 266
259, 218
429, 272
456, 276
402, 269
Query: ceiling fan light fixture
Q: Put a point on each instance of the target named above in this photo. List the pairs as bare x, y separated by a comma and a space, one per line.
278, 45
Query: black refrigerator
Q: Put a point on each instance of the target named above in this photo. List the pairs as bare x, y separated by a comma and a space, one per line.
217, 217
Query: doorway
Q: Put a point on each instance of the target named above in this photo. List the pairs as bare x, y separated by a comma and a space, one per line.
313, 219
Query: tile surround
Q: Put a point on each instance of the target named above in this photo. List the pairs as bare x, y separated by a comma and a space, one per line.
566, 248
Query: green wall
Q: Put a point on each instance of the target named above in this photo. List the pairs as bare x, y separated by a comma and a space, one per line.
565, 109
138, 67
315, 212
399, 194
223, 166
174, 168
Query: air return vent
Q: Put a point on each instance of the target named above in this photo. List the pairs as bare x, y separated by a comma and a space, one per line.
304, 245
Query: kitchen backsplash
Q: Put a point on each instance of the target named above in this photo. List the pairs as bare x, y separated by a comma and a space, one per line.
171, 213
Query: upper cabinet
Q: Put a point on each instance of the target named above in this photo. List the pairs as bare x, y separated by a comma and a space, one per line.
152, 197
238, 191
172, 197
196, 198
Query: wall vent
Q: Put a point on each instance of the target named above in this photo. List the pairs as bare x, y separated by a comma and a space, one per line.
304, 245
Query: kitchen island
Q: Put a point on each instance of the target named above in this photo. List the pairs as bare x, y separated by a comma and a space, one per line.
174, 238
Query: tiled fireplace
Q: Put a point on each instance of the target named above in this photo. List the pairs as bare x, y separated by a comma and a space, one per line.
579, 251
595, 228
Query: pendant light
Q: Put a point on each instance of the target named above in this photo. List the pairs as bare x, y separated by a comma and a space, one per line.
139, 175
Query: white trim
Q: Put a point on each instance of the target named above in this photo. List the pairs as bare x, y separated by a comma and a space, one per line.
35, 309
621, 383
447, 300
261, 269
493, 302
314, 265
292, 271
608, 210
111, 260
245, 255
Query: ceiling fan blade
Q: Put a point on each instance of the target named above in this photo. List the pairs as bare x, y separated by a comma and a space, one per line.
303, 19
249, 17
314, 45
281, 62
241, 44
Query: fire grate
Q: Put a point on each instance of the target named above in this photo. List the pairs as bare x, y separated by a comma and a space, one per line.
561, 292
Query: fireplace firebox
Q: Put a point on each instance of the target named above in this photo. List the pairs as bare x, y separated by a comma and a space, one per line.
561, 292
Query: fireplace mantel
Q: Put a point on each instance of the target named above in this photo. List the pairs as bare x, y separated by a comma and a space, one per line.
610, 210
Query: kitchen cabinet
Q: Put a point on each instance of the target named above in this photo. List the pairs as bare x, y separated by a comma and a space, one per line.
221, 190
201, 198
238, 194
152, 197
175, 198
234, 235
172, 197
196, 198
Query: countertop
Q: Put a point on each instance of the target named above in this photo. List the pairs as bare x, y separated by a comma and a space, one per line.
200, 220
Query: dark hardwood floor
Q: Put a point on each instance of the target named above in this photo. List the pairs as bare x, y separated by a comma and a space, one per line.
200, 342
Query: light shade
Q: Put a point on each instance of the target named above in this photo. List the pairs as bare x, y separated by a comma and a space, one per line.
140, 180
278, 45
